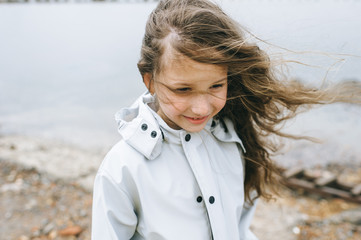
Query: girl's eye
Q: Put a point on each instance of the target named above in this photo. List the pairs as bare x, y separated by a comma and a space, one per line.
182, 90
217, 86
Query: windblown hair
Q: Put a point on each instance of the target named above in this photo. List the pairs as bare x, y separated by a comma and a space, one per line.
257, 101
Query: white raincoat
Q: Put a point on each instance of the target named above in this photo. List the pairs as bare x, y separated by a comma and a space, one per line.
160, 183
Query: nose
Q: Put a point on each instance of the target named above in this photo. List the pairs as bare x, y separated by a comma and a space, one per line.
201, 105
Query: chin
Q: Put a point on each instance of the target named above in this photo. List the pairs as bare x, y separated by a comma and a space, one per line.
194, 129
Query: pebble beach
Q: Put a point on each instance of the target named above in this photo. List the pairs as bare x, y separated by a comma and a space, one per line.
46, 193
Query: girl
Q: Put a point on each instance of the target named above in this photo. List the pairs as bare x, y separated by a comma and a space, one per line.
193, 157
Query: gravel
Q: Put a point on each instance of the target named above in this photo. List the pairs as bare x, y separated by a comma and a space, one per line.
35, 204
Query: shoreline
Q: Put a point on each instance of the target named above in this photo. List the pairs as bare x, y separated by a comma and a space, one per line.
75, 163
58, 160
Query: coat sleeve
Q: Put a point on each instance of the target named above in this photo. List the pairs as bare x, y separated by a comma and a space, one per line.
113, 214
246, 220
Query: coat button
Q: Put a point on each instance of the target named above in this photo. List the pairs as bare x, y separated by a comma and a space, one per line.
144, 127
188, 137
153, 134
199, 199
211, 199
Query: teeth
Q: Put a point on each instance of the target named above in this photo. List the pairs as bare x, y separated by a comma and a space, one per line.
196, 118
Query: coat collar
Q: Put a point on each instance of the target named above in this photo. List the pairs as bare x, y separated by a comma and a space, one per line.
141, 127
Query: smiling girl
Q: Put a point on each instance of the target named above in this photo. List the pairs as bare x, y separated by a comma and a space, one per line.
193, 158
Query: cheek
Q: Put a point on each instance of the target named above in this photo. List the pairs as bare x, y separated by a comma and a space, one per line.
172, 107
219, 104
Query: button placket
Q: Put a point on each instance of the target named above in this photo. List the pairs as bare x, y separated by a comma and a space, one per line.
198, 159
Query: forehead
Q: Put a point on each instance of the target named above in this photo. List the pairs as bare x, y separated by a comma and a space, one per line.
176, 67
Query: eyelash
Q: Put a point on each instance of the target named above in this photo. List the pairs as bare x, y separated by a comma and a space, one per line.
183, 90
218, 85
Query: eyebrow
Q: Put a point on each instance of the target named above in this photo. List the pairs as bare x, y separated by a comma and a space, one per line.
221, 80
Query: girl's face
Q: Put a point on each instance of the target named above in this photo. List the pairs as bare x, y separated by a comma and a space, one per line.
189, 93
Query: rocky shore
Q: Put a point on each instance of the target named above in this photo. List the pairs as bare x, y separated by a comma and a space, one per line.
45, 193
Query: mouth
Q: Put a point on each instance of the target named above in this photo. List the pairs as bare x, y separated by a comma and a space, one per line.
196, 120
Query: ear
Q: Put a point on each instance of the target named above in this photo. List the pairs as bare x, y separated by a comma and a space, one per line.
147, 79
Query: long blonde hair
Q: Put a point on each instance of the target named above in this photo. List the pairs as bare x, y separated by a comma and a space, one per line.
257, 101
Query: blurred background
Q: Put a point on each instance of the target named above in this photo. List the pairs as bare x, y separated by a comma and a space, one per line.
66, 67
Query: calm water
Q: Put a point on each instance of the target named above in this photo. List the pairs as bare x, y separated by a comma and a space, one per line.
65, 69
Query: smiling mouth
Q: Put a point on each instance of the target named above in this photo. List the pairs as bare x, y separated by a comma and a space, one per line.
197, 120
